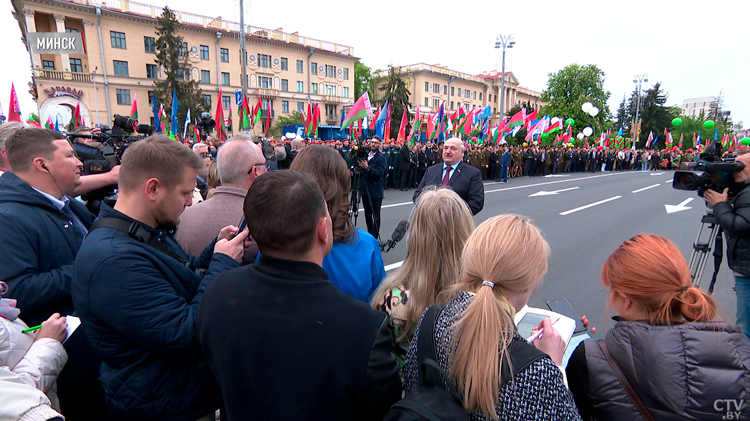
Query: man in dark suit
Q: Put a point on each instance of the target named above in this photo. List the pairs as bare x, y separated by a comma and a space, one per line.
504, 163
464, 179
373, 176
404, 163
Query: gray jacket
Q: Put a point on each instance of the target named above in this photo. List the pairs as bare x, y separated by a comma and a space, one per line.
734, 220
679, 372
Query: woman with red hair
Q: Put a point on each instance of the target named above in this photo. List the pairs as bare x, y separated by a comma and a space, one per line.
667, 357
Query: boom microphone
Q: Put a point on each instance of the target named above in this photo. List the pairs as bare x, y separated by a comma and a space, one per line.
398, 234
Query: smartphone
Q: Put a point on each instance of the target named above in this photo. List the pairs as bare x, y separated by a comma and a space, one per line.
562, 306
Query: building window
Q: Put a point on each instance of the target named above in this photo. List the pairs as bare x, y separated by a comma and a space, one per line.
284, 63
346, 73
346, 92
489, 97
123, 96
48, 65
459, 92
435, 102
474, 95
224, 55
314, 88
225, 78
300, 107
284, 106
300, 66
300, 87
183, 74
452, 90
330, 90
264, 60
204, 52
445, 89
284, 85
149, 44
121, 68
494, 110
71, 30
152, 72
118, 39
265, 82
205, 76
313, 68
426, 102
330, 71
427, 86
207, 100
480, 96
436, 88
151, 96
452, 105
226, 102
76, 65
331, 112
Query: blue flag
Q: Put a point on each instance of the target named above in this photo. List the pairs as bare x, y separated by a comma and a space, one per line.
157, 123
175, 124
619, 134
57, 128
716, 134
380, 122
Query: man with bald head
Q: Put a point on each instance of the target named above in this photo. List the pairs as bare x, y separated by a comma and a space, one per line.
240, 162
459, 176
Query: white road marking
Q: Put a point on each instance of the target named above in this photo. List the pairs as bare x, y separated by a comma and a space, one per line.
549, 193
591, 205
394, 266
645, 188
657, 173
668, 181
680, 207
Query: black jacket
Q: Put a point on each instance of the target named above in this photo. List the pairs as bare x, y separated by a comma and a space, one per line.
466, 181
139, 305
374, 176
735, 221
404, 158
679, 372
285, 344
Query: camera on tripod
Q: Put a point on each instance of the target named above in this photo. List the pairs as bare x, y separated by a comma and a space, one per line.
358, 153
718, 174
206, 124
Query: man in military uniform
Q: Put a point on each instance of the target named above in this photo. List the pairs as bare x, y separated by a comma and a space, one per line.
485, 159
345, 151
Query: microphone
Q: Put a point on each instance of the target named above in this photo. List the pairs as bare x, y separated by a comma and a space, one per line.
398, 234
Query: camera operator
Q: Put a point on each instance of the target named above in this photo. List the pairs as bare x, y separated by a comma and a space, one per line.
734, 219
95, 164
374, 170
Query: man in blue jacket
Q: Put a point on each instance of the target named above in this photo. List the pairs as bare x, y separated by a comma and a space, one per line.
374, 170
42, 229
137, 292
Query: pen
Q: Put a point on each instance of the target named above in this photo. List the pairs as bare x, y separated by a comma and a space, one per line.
31, 329
539, 333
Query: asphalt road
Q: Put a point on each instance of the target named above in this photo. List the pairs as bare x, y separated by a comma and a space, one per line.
584, 224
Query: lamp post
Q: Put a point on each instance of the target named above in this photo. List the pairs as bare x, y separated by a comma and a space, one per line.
639, 79
504, 42
96, 95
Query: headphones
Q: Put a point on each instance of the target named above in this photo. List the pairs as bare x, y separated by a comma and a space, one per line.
45, 167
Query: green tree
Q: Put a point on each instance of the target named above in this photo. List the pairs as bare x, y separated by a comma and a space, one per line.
172, 57
623, 117
277, 129
654, 115
693, 125
572, 86
363, 81
396, 92
514, 110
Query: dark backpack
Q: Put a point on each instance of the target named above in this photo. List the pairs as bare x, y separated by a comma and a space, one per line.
429, 401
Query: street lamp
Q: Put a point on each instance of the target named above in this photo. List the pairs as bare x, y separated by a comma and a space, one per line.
503, 42
639, 79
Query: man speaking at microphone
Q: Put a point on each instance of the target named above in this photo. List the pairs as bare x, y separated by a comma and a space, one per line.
462, 178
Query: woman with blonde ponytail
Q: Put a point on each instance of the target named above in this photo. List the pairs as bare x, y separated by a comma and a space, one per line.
499, 374
676, 355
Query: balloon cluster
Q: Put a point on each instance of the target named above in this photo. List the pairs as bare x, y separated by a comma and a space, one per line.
589, 109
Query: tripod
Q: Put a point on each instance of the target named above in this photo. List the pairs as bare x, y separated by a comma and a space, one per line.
702, 248
356, 198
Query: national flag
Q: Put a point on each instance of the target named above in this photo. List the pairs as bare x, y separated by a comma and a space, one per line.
360, 109
402, 127
556, 126
221, 130
77, 120
230, 122
49, 124
530, 118
681, 140
57, 126
619, 133
316, 120
187, 123
373, 120
163, 119
650, 139
157, 123
268, 116
538, 128
14, 109
388, 123
173, 119
416, 125
468, 122
134, 110
430, 126
716, 134
698, 140
196, 132
518, 119
381, 121
257, 112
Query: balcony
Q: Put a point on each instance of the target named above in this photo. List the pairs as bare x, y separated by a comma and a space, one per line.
264, 113
267, 93
332, 118
333, 99
56, 75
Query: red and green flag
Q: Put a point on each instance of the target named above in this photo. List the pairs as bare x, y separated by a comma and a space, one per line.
221, 129
518, 119
134, 110
416, 126
77, 120
359, 110
257, 112
163, 119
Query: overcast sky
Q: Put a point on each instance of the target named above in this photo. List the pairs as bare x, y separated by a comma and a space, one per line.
693, 48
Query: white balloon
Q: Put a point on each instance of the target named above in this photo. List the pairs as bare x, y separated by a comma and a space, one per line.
593, 112
554, 120
586, 107
588, 131
580, 136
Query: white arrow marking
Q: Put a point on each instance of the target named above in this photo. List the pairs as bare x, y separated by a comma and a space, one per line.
657, 173
680, 207
645, 188
589, 205
557, 175
548, 193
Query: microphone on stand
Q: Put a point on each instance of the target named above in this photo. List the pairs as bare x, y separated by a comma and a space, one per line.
398, 234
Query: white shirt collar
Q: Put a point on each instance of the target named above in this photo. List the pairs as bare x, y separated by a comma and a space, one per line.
59, 204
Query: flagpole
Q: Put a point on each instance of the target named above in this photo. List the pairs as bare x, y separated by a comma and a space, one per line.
639, 79
243, 52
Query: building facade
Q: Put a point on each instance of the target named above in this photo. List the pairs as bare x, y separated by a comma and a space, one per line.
285, 70
696, 106
431, 85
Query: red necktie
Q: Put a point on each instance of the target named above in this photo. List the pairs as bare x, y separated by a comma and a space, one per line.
447, 177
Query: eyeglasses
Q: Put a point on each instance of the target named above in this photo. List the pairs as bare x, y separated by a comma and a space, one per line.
205, 155
260, 164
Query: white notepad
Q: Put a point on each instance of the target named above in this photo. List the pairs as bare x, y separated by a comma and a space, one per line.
529, 318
